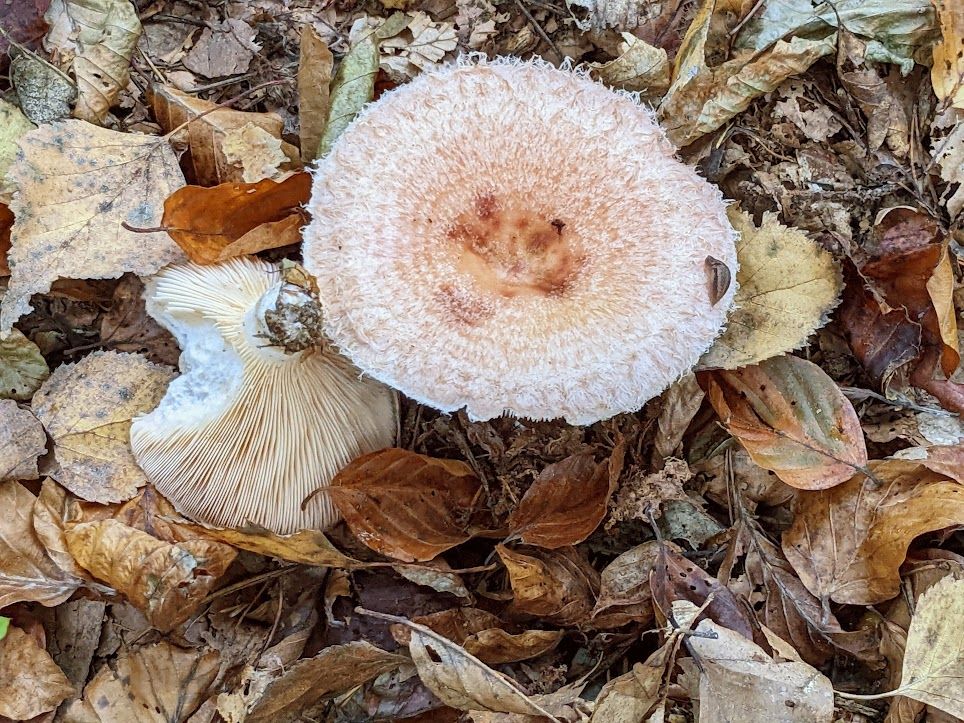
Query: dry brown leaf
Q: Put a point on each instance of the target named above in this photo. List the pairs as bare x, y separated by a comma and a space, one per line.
847, 543
166, 582
678, 405
495, 646
306, 547
310, 680
436, 574
314, 78
947, 72
792, 419
87, 409
947, 149
28, 573
95, 39
78, 184
32, 682
640, 67
461, 680
674, 578
266, 236
22, 440
631, 697
206, 221
788, 286
128, 327
624, 592
406, 505
224, 48
740, 682
158, 683
51, 512
558, 586
566, 501
207, 126
456, 624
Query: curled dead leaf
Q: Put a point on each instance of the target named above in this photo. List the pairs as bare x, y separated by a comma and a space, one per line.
559, 586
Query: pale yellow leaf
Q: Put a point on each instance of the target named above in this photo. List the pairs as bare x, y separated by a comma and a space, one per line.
87, 409
947, 73
32, 682
78, 184
13, 124
788, 286
95, 38
933, 671
22, 367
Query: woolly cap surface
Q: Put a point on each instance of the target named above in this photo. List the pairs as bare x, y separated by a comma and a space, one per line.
512, 238
247, 432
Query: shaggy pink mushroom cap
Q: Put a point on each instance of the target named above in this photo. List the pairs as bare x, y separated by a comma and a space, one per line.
516, 239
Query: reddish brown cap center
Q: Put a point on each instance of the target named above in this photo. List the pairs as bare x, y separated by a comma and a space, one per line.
513, 251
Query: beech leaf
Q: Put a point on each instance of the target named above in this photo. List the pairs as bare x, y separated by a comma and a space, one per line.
406, 505
788, 286
792, 419
848, 543
559, 586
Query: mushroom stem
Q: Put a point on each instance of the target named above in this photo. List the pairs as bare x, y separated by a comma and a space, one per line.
290, 314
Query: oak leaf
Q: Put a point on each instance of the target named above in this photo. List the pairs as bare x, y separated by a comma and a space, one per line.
87, 409
792, 419
406, 505
78, 186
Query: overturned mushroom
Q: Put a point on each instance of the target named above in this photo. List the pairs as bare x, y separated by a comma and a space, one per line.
512, 238
248, 431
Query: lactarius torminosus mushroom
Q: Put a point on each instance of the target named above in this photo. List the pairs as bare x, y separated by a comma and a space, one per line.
248, 431
512, 238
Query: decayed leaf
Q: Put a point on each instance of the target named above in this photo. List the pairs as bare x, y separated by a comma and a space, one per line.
315, 67
461, 680
22, 367
640, 67
77, 185
406, 505
207, 126
559, 586
87, 409
13, 124
933, 671
310, 680
495, 646
675, 579
947, 72
792, 419
158, 683
95, 38
22, 440
679, 404
947, 149
224, 48
256, 151
740, 682
624, 591
166, 582
847, 543
788, 285
565, 503
306, 547
27, 574
352, 87
214, 224
32, 682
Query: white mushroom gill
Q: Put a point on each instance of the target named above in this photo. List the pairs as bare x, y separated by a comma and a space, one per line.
248, 432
